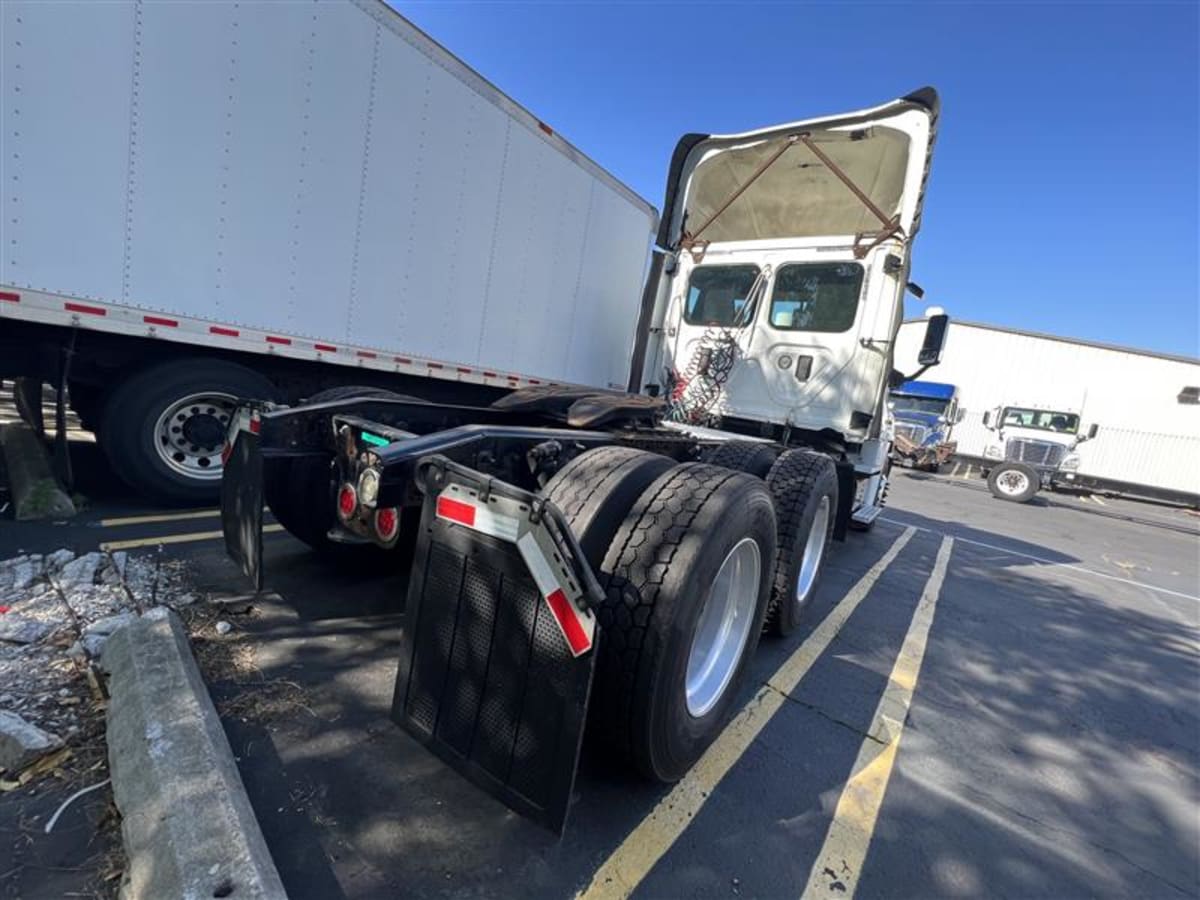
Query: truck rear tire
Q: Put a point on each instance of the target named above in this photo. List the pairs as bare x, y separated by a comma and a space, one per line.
752, 457
686, 580
596, 490
163, 428
1014, 481
299, 491
804, 487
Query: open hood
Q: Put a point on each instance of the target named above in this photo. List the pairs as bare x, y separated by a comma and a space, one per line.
859, 175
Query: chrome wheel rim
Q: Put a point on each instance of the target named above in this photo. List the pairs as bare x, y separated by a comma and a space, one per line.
814, 550
190, 433
1012, 482
723, 627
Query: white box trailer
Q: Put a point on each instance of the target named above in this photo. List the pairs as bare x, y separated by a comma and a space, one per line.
1145, 404
210, 200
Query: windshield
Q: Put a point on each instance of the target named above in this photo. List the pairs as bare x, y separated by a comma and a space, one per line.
816, 296
1041, 419
930, 405
717, 295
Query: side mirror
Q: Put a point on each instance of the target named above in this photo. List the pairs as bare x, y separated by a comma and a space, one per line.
961, 414
916, 290
935, 340
1093, 431
987, 419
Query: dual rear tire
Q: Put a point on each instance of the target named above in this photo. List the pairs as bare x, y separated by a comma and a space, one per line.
688, 557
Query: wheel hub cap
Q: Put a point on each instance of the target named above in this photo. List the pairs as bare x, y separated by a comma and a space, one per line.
814, 549
190, 432
723, 627
1012, 482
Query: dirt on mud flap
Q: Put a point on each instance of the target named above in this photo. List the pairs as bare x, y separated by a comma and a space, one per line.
497, 663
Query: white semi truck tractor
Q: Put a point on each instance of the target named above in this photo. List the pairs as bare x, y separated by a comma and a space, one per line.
583, 556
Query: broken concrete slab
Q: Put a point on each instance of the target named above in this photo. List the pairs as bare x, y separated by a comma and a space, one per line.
35, 491
19, 573
17, 629
81, 571
109, 624
187, 824
22, 743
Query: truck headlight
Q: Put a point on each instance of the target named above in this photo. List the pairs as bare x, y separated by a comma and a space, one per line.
1071, 463
991, 451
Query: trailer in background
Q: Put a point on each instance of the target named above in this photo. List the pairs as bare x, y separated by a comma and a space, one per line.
206, 201
1147, 405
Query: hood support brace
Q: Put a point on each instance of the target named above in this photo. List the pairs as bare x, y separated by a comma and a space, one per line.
691, 242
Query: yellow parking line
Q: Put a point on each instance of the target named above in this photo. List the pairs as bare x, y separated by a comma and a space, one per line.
1098, 500
624, 870
840, 863
109, 546
164, 517
967, 474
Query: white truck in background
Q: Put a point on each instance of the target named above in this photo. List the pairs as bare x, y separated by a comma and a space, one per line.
1034, 448
205, 201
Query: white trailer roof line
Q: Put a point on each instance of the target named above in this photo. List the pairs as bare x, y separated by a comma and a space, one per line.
414, 36
75, 312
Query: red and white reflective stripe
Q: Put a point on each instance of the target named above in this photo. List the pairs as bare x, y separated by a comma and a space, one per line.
478, 517
576, 628
59, 309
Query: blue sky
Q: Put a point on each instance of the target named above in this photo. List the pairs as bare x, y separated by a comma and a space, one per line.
1064, 196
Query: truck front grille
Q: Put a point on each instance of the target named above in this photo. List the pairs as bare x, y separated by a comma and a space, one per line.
1035, 453
915, 434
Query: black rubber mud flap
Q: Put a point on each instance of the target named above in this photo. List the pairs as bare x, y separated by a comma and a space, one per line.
487, 679
242, 506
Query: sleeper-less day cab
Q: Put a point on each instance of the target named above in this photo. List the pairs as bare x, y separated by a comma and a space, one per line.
583, 555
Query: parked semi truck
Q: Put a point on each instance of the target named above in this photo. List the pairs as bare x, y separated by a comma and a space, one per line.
1033, 449
590, 557
205, 201
924, 414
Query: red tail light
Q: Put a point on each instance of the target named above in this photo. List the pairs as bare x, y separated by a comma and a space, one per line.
347, 501
387, 524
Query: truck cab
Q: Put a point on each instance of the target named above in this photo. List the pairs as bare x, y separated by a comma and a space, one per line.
1034, 447
785, 255
924, 414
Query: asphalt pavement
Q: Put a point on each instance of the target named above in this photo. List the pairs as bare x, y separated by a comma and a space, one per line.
986, 699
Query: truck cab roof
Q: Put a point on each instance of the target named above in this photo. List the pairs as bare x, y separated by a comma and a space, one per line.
935, 390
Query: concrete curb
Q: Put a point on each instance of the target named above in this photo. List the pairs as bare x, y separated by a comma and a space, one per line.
187, 825
35, 490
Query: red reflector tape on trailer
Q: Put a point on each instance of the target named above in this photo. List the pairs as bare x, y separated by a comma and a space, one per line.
160, 320
10, 297
84, 308
227, 332
326, 348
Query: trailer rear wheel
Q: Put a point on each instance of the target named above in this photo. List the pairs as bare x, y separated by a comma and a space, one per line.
596, 490
163, 428
686, 583
1014, 481
299, 490
752, 457
804, 487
